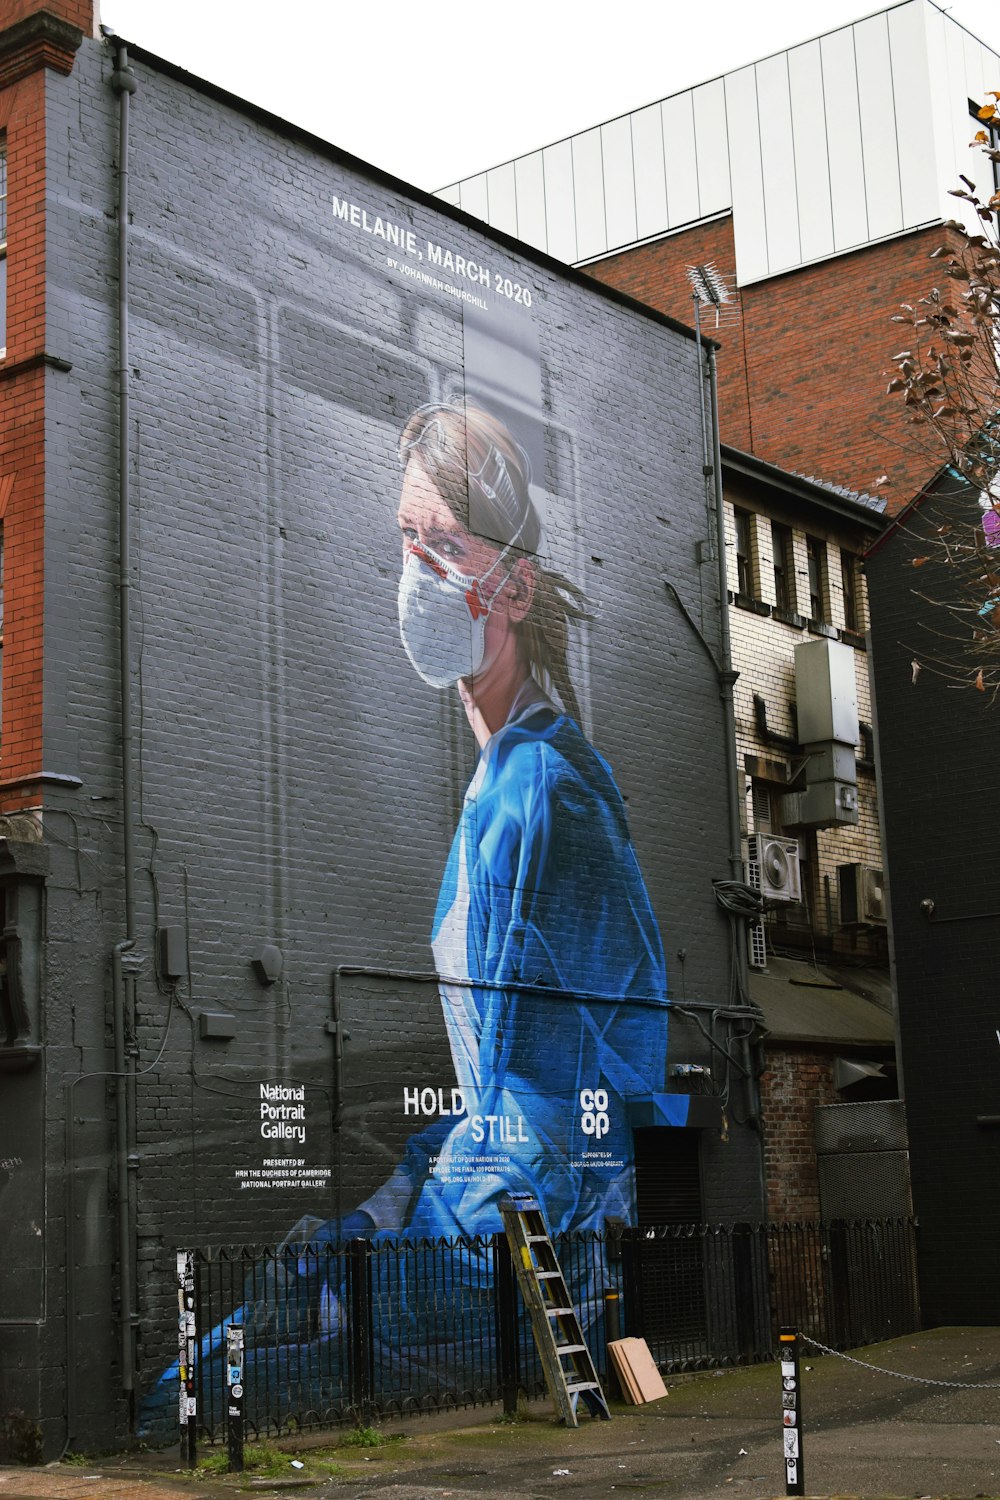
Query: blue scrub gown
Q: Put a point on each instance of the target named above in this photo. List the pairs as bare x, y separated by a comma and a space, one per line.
553, 987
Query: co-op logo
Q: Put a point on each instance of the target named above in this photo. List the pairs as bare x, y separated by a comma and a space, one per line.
594, 1120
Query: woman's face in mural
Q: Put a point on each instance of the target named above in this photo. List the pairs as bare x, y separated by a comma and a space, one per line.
425, 517
426, 521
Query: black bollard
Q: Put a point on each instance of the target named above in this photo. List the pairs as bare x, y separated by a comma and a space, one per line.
187, 1340
791, 1412
234, 1393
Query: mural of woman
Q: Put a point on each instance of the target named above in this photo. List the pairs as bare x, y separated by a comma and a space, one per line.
550, 964
543, 926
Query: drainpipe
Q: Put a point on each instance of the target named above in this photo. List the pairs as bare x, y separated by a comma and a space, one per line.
725, 672
124, 1081
727, 681
123, 976
727, 676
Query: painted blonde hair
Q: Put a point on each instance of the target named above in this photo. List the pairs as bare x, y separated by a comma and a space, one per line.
469, 453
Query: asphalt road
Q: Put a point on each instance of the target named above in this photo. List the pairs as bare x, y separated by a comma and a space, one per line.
865, 1434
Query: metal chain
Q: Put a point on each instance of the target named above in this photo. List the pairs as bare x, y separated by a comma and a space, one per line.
952, 1385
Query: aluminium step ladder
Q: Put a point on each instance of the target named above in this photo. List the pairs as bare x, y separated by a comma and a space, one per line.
569, 1369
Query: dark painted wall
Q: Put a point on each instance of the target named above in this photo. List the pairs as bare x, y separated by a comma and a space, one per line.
937, 742
296, 782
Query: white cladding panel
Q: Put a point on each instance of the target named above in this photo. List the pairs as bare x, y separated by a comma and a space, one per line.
812, 157
749, 225
953, 87
452, 194
777, 157
831, 145
915, 127
681, 160
878, 115
711, 134
619, 182
982, 74
588, 194
961, 68
529, 181
560, 213
475, 198
502, 199
847, 170
650, 176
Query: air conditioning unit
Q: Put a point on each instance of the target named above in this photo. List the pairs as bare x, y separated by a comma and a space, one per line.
862, 895
773, 867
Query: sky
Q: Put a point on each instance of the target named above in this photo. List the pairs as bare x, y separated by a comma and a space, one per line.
434, 93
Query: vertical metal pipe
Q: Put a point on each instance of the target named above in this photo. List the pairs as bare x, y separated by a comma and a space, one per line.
727, 681
121, 1165
727, 676
123, 83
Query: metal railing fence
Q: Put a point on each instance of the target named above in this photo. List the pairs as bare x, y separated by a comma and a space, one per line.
338, 1333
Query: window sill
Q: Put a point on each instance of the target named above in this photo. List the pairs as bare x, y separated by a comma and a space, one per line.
820, 627
753, 606
34, 362
19, 1057
789, 617
852, 638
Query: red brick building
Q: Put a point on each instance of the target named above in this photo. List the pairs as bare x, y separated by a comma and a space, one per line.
802, 370
814, 196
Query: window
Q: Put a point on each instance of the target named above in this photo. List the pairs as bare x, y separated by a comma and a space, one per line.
784, 574
3, 248
849, 575
744, 555
816, 552
761, 797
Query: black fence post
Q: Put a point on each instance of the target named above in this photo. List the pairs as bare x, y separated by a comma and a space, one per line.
840, 1284
234, 1391
631, 1251
508, 1346
360, 1351
612, 1332
746, 1304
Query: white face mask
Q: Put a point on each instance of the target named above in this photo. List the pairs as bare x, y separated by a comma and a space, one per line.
443, 614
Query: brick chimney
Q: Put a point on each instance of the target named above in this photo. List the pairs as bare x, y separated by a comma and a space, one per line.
39, 40
41, 34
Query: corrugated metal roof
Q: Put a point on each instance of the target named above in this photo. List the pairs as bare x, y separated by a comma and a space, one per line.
801, 1002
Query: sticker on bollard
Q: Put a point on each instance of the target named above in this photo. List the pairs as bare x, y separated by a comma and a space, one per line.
187, 1343
791, 1413
234, 1380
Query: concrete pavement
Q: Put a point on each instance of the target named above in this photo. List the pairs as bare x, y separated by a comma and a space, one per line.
866, 1434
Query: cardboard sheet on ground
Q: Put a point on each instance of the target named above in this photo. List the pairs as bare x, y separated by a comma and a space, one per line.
639, 1377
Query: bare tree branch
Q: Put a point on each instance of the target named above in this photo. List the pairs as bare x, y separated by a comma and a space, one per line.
947, 375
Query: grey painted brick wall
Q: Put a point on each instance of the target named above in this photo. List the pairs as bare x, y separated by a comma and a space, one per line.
296, 782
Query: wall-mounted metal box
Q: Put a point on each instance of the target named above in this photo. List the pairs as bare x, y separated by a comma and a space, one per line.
826, 693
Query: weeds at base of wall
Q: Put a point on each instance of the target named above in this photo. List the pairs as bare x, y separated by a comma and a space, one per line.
20, 1438
258, 1459
363, 1437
